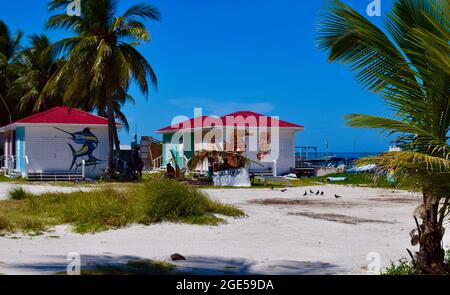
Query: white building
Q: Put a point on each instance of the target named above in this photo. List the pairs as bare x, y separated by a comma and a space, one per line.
268, 141
60, 141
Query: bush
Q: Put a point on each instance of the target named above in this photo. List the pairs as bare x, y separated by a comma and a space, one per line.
98, 210
87, 211
169, 200
18, 193
404, 267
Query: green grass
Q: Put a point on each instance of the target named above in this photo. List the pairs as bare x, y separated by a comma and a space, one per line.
18, 193
3, 178
363, 179
150, 202
168, 200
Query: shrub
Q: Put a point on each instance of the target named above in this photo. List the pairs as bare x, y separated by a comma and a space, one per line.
169, 200
98, 210
88, 211
18, 193
404, 267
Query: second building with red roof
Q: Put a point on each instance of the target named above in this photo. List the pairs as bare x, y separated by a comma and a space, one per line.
268, 141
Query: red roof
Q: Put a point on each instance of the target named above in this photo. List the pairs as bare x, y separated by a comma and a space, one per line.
63, 115
242, 118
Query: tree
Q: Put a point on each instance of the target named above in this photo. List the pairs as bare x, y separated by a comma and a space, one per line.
102, 59
9, 46
409, 67
38, 65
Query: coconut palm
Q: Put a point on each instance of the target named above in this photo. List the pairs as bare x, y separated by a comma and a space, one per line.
120, 98
9, 46
102, 56
409, 67
39, 64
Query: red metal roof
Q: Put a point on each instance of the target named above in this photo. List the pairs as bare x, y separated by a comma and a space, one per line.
63, 115
241, 118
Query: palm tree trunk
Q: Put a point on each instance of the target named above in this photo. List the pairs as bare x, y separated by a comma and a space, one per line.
111, 125
116, 143
430, 258
6, 107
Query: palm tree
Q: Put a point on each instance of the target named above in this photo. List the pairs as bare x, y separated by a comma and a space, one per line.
120, 98
409, 67
102, 57
39, 65
9, 46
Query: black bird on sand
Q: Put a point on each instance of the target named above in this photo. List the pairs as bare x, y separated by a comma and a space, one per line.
318, 192
273, 187
306, 193
310, 190
337, 197
284, 190
321, 193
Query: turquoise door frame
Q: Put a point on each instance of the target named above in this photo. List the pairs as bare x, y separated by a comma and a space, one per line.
20, 149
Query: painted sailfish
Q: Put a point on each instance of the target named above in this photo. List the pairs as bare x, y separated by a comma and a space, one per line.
82, 137
86, 150
92, 161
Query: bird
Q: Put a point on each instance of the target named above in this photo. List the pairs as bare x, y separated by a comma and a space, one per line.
306, 193
337, 197
321, 193
273, 187
317, 193
310, 190
284, 190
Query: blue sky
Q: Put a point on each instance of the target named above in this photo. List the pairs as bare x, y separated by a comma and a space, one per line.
229, 55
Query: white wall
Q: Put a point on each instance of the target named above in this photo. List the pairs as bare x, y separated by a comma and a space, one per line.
48, 151
284, 155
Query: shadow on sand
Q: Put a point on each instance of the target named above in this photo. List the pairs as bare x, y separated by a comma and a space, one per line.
199, 265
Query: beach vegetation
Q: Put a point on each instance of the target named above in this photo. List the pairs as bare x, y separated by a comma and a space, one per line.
18, 193
102, 209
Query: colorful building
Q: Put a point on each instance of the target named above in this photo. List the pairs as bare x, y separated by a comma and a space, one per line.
267, 141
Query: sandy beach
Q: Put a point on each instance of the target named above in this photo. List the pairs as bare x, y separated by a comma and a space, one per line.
284, 233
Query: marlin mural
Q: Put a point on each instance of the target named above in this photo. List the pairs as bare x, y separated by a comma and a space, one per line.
85, 150
92, 161
88, 142
82, 137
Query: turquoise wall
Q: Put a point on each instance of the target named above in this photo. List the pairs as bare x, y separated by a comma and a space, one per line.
167, 138
20, 148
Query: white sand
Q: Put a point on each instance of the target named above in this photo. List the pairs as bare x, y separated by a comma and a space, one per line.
268, 241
